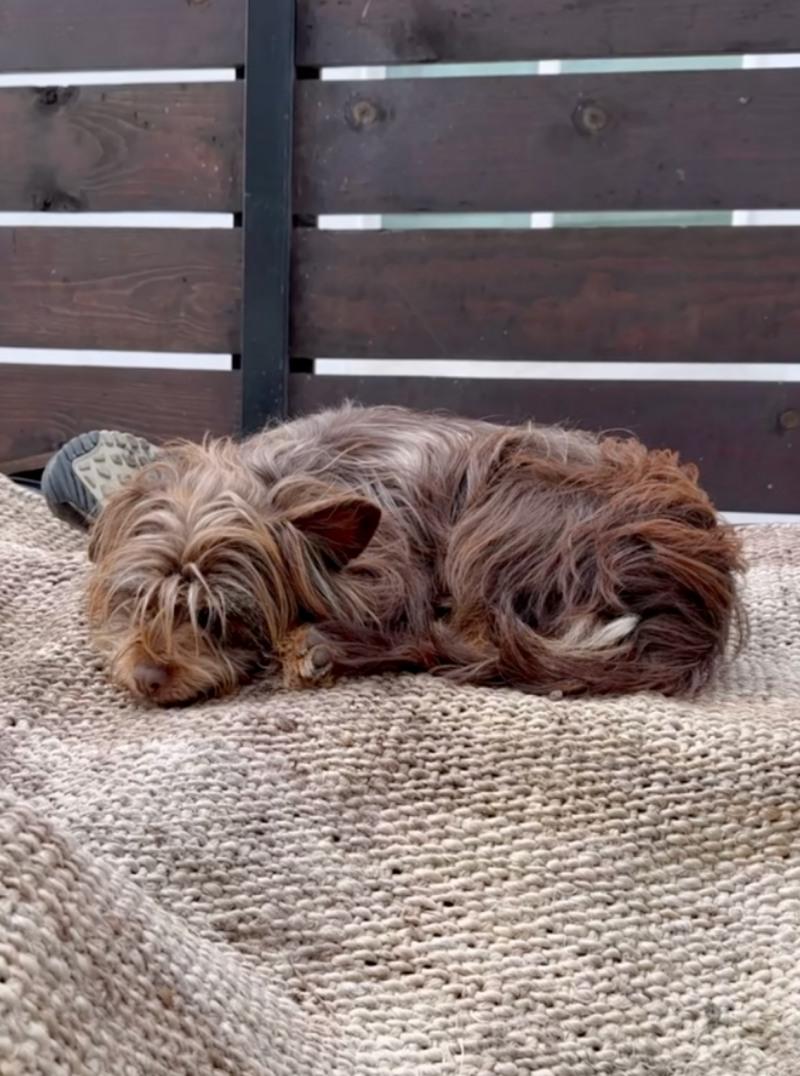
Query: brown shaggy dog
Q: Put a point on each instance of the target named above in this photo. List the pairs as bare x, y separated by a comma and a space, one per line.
364, 540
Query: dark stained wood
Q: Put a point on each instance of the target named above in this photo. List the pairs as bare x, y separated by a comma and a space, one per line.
646, 295
748, 460
25, 464
124, 289
41, 407
688, 140
122, 148
81, 35
427, 31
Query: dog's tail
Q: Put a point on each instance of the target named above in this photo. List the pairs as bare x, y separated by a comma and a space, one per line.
608, 580
655, 613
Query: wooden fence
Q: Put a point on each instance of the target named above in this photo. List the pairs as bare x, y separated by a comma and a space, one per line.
280, 146
119, 148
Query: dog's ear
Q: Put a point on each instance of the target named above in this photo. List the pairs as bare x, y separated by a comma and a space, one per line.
341, 524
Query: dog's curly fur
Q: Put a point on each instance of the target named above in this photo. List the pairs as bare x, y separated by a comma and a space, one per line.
364, 540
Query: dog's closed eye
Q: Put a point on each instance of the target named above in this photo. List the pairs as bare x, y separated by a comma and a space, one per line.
209, 622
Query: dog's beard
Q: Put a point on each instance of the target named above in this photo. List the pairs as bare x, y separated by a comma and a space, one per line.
189, 668
168, 650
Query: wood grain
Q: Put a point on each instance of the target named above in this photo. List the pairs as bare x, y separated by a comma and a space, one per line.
749, 460
85, 35
41, 407
688, 140
120, 289
603, 295
448, 31
101, 148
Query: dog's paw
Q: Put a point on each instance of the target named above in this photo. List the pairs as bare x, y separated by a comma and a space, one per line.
307, 659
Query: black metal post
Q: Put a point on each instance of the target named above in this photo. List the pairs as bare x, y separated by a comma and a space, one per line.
267, 219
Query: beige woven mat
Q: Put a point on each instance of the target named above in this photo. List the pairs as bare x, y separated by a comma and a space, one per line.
393, 876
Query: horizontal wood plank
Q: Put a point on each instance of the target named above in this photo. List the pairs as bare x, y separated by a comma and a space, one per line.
454, 31
743, 436
85, 35
678, 140
120, 289
168, 147
41, 407
604, 295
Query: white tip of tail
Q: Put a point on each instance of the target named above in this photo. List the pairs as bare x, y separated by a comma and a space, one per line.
587, 633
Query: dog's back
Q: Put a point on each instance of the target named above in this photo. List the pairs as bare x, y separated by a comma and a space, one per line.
552, 559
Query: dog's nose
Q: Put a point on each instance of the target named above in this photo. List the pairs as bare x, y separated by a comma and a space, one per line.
150, 678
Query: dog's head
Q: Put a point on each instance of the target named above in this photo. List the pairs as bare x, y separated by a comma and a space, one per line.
201, 568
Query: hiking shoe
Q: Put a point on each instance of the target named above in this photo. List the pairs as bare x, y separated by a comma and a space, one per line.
86, 470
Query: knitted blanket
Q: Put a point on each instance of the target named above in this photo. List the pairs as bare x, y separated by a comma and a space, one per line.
394, 876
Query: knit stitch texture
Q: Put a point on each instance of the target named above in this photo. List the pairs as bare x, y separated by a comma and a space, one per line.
394, 876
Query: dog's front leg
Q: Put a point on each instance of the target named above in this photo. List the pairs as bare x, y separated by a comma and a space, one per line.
307, 659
